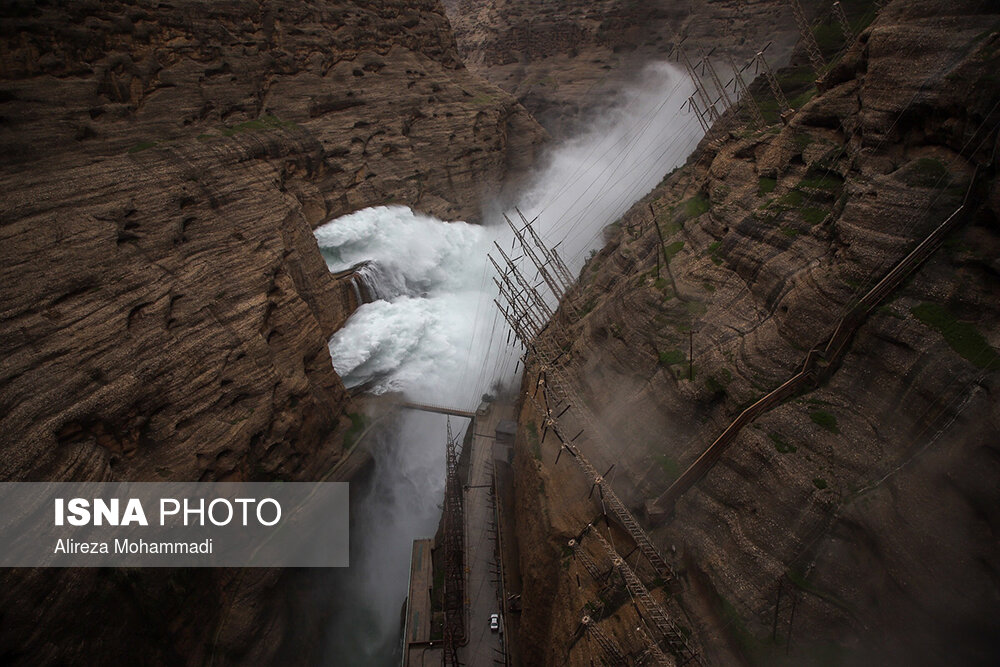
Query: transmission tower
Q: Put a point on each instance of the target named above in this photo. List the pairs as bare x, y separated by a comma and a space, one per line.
551, 255
772, 81
454, 556
607, 645
699, 88
808, 40
745, 96
693, 105
707, 64
608, 496
845, 25
676, 640
588, 563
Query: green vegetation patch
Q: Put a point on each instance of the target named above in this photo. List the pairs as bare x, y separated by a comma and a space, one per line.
359, 423
671, 357
766, 185
801, 140
671, 249
814, 216
788, 201
820, 483
713, 252
830, 37
927, 172
695, 206
671, 228
796, 77
669, 465
536, 446
256, 125
142, 145
824, 419
962, 337
782, 445
715, 386
717, 382
818, 181
483, 99
797, 102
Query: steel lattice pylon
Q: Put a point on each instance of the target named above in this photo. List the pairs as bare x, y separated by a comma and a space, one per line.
808, 40
454, 557
676, 641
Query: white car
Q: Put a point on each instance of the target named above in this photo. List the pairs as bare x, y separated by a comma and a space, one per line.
494, 622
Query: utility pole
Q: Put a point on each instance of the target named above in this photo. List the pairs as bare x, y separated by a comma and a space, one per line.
772, 81
691, 354
606, 643
551, 255
454, 556
716, 81
845, 25
805, 30
659, 234
699, 88
744, 95
693, 104
659, 617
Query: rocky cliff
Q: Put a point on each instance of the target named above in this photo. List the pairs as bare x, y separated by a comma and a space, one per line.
165, 310
855, 523
565, 61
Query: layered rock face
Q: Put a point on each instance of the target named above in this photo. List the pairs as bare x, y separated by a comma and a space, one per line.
565, 61
856, 523
165, 310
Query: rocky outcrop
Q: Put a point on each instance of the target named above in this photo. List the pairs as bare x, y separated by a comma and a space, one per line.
867, 505
165, 311
566, 61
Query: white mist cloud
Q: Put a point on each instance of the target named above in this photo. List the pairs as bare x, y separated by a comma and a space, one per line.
436, 335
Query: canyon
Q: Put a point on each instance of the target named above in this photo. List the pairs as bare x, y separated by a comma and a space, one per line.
568, 62
855, 523
167, 312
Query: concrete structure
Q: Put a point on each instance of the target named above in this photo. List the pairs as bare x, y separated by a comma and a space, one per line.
419, 650
484, 647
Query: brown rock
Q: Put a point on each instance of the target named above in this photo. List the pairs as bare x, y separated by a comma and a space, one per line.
165, 310
870, 500
567, 61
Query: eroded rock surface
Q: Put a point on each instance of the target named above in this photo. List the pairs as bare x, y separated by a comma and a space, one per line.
165, 309
566, 61
868, 504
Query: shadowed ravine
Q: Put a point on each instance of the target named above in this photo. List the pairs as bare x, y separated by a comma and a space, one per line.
435, 335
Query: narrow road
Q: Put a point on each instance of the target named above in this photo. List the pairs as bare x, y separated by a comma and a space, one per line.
484, 647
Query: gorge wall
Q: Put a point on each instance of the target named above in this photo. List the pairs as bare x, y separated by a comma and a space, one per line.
566, 61
165, 310
856, 523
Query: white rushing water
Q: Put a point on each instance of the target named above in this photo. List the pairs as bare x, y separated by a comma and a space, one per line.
435, 334
417, 337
